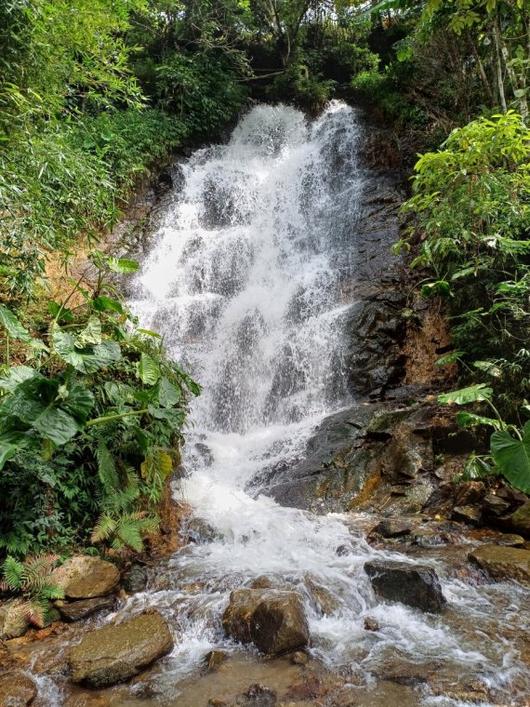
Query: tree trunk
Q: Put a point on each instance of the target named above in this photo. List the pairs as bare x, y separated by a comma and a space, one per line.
500, 78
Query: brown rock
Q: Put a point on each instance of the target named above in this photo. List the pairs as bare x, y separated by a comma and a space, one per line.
77, 610
16, 690
502, 562
13, 621
274, 620
467, 514
214, 659
116, 652
84, 577
299, 658
393, 528
469, 493
371, 624
520, 520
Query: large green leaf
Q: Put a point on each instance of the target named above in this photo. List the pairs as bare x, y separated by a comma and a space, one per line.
14, 376
168, 394
469, 419
91, 334
148, 369
13, 326
472, 394
123, 265
89, 359
107, 304
512, 456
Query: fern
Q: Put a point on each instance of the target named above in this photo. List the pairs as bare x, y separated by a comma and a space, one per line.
155, 470
13, 572
108, 474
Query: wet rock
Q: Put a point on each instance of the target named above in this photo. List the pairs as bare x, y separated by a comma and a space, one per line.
16, 689
371, 624
502, 562
199, 531
510, 540
13, 622
77, 610
135, 579
274, 620
84, 577
257, 696
467, 514
415, 585
214, 659
392, 528
469, 493
493, 505
326, 603
343, 550
116, 652
520, 520
299, 658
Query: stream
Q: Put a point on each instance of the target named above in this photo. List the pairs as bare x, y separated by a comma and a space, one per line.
250, 279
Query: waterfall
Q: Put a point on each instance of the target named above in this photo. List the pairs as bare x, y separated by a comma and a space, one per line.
249, 282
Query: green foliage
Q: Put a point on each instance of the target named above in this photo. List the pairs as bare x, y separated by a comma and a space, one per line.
32, 580
86, 426
512, 456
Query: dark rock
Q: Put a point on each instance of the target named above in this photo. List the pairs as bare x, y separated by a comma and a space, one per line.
392, 528
467, 514
371, 624
502, 562
324, 601
257, 696
84, 577
494, 505
415, 585
520, 520
135, 579
77, 610
214, 659
116, 652
469, 493
274, 620
16, 689
343, 550
199, 531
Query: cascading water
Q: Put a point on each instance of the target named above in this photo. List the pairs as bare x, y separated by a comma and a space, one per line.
247, 281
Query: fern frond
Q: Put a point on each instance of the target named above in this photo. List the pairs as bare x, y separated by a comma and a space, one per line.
13, 572
129, 533
104, 528
36, 572
107, 472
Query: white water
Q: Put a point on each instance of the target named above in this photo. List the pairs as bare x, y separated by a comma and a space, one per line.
247, 281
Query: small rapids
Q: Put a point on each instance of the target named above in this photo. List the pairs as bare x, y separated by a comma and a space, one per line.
249, 280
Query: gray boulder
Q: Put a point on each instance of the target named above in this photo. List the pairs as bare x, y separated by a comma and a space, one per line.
415, 585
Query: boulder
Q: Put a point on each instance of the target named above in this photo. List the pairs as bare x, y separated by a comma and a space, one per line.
520, 520
467, 514
272, 619
494, 505
16, 689
84, 577
415, 585
502, 562
135, 579
116, 652
469, 493
77, 610
13, 621
392, 528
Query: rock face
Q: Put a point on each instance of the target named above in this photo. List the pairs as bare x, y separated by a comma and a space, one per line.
502, 562
415, 585
16, 690
115, 653
272, 619
83, 577
77, 610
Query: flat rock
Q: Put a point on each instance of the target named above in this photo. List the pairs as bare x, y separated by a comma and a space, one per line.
84, 577
116, 652
274, 620
393, 528
16, 689
77, 610
502, 562
467, 514
415, 585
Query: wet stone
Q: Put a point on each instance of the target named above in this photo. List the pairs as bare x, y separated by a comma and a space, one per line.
257, 696
502, 562
116, 652
199, 531
417, 586
371, 624
16, 689
135, 579
214, 659
467, 514
13, 621
84, 577
520, 520
77, 610
392, 528
494, 505
299, 658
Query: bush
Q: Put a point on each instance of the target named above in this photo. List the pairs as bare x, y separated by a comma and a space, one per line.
91, 413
